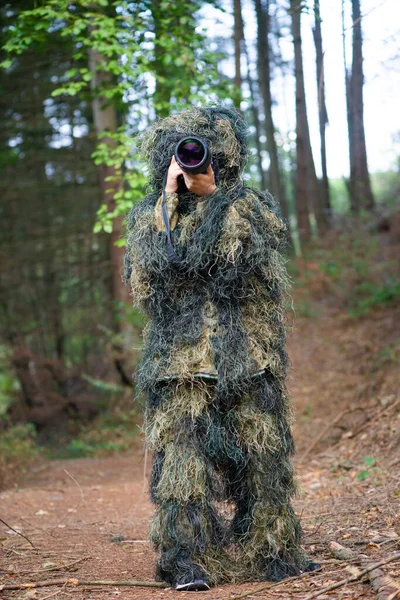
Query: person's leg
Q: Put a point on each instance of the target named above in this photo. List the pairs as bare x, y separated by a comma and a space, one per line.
265, 526
186, 528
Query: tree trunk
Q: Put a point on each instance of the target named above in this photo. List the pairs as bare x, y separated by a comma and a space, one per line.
264, 72
254, 109
162, 94
237, 36
105, 119
302, 134
322, 112
359, 175
352, 197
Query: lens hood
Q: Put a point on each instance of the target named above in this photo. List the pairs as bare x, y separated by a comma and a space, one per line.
193, 155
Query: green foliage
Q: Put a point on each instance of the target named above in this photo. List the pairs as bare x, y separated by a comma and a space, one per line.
305, 309
17, 449
123, 44
112, 432
368, 296
347, 271
9, 385
370, 463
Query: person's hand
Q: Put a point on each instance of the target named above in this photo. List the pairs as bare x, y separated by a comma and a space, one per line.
201, 184
174, 171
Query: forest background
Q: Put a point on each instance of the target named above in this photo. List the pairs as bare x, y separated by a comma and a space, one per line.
79, 80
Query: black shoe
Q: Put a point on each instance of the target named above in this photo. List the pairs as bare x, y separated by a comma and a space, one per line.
197, 585
310, 566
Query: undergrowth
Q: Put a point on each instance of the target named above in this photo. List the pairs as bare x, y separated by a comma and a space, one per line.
349, 270
18, 449
109, 433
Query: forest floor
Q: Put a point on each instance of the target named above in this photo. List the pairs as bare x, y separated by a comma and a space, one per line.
87, 519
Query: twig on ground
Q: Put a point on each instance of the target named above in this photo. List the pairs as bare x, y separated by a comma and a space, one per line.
18, 533
385, 587
377, 416
48, 570
326, 520
53, 593
323, 433
271, 585
357, 577
79, 582
82, 500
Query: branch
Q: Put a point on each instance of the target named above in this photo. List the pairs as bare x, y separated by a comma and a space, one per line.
323, 433
19, 533
269, 586
77, 582
357, 577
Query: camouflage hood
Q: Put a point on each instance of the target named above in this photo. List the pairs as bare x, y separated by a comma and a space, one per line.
223, 129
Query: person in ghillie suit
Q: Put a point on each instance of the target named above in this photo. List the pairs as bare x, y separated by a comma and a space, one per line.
213, 370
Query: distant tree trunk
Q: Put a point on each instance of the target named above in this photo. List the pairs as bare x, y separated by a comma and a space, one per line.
352, 197
237, 36
264, 73
307, 185
254, 109
359, 175
322, 112
105, 120
301, 187
162, 93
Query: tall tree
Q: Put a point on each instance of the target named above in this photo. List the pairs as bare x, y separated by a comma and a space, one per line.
360, 184
106, 124
308, 197
322, 112
264, 73
237, 36
253, 106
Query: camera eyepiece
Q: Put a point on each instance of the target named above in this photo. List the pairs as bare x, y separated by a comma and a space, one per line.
193, 155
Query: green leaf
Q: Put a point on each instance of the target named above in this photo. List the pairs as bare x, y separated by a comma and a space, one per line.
369, 461
363, 475
6, 64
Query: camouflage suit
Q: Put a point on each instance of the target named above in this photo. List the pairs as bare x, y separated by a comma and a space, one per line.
213, 370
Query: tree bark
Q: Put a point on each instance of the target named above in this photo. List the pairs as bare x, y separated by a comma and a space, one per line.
322, 112
302, 133
359, 175
352, 197
162, 94
254, 110
237, 36
264, 73
105, 120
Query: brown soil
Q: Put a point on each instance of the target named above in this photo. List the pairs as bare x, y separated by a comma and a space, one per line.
96, 511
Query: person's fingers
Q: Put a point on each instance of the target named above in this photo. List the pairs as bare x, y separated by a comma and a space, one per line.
210, 170
173, 160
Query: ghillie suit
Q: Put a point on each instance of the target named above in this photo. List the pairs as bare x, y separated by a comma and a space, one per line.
217, 414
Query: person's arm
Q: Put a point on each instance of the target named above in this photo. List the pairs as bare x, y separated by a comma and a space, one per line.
236, 237
145, 258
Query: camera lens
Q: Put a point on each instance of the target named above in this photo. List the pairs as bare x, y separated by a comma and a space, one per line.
191, 152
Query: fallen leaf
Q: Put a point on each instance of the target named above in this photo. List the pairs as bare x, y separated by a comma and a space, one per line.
48, 565
41, 512
355, 571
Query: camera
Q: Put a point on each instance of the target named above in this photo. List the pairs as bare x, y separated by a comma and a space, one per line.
193, 155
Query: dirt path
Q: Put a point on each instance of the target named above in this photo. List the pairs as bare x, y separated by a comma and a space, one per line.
96, 511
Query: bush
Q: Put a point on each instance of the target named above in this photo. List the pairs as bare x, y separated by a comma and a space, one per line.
17, 449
